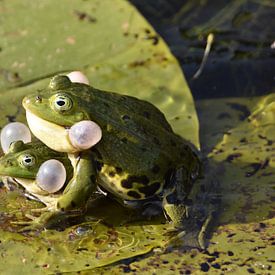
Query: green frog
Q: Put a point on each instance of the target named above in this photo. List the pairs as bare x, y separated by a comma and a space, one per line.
139, 157
20, 166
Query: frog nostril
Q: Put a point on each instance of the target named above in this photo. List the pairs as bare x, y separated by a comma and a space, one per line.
38, 99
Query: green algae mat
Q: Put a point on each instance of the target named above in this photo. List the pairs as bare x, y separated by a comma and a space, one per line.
119, 51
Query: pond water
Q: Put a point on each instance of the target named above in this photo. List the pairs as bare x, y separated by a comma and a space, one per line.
241, 62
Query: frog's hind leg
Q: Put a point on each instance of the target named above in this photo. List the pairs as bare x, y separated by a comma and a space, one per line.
174, 198
176, 209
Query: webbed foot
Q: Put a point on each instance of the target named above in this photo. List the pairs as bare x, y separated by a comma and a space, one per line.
35, 223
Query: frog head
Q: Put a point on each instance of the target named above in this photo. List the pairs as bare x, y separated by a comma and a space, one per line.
22, 163
53, 111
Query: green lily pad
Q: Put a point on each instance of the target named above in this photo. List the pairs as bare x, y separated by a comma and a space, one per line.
119, 51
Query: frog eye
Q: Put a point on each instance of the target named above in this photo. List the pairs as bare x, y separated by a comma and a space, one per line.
51, 176
27, 160
62, 103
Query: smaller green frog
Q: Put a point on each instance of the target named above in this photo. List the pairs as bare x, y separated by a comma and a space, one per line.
139, 157
21, 165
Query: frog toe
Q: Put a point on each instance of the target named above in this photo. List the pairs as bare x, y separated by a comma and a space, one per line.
39, 210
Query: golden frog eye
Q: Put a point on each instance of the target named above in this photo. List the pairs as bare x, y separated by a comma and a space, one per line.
27, 160
62, 103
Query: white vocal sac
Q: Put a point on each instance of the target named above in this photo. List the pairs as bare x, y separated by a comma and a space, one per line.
78, 77
51, 176
85, 134
12, 132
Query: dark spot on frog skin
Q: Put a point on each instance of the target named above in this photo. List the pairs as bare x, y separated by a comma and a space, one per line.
73, 204
216, 265
112, 174
155, 169
269, 142
124, 140
205, 267
147, 114
182, 153
99, 166
133, 194
128, 183
125, 117
173, 143
150, 190
156, 141
118, 170
256, 167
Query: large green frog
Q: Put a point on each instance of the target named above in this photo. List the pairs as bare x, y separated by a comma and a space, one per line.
139, 157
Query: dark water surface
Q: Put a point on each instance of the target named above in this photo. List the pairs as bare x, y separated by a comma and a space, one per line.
241, 62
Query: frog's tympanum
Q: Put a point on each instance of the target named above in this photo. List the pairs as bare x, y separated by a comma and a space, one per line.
139, 157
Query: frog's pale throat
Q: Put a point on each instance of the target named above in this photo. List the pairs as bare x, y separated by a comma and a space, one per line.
54, 136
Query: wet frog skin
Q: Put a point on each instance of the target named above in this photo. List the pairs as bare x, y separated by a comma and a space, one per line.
139, 156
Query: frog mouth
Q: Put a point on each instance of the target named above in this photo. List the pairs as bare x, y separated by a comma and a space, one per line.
53, 135
29, 185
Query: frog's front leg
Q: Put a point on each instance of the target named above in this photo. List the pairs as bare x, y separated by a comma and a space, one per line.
81, 186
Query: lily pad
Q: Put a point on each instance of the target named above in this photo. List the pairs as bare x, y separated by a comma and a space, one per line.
119, 51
